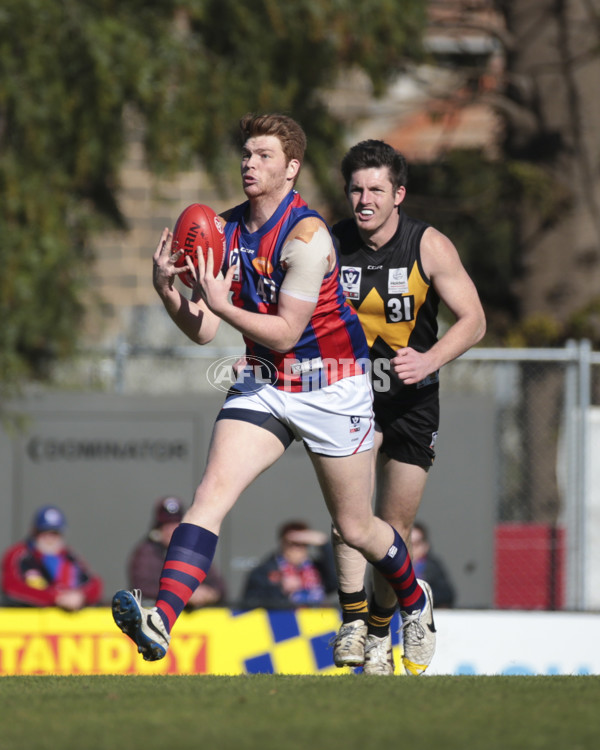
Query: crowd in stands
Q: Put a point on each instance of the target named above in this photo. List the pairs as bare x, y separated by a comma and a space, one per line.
42, 570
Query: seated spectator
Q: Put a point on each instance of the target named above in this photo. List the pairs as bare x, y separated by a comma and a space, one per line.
41, 571
290, 576
147, 558
430, 568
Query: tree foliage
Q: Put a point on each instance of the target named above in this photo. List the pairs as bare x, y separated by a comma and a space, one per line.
476, 201
528, 221
70, 72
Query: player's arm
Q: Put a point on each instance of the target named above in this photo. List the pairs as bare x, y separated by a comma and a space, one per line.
307, 255
449, 278
191, 316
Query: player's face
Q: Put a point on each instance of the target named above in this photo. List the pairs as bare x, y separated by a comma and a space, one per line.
265, 169
375, 201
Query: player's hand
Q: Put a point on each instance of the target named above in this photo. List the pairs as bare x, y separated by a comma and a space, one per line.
214, 291
239, 365
164, 270
411, 366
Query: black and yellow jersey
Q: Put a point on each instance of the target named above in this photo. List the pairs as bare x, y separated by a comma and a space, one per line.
394, 298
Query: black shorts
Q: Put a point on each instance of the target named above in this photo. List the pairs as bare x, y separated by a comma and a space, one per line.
409, 428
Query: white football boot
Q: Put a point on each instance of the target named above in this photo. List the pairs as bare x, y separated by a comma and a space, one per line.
418, 630
144, 626
349, 644
379, 658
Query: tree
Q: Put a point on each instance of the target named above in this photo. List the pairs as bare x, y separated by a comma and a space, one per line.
529, 219
189, 69
537, 203
67, 76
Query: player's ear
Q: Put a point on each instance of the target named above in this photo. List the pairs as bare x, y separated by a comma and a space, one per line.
400, 195
293, 168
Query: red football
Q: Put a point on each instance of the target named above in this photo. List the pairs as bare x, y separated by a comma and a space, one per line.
198, 226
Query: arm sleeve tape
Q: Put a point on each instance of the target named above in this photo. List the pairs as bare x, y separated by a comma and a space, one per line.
307, 260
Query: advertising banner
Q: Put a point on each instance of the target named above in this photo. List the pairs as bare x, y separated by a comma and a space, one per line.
229, 642
210, 641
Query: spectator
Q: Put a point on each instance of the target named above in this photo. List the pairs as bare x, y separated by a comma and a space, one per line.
430, 568
146, 560
41, 571
291, 575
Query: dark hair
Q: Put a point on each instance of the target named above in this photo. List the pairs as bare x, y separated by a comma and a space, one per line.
290, 134
372, 153
288, 526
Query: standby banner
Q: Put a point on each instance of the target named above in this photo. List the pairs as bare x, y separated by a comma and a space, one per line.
229, 642
211, 641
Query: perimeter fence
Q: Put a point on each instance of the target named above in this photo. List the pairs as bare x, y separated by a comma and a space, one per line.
546, 442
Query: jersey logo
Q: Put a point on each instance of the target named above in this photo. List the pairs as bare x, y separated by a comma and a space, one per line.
262, 265
398, 281
350, 277
234, 260
307, 365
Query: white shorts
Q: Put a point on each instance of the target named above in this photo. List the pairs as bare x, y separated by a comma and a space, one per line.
336, 420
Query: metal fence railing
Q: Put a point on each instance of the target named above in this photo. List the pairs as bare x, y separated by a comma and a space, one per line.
543, 402
545, 500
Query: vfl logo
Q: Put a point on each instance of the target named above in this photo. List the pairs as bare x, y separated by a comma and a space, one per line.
350, 277
354, 424
226, 372
234, 260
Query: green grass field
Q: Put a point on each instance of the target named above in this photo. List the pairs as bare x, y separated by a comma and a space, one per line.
304, 713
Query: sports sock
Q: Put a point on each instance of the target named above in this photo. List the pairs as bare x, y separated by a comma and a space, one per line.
379, 619
354, 606
397, 570
189, 557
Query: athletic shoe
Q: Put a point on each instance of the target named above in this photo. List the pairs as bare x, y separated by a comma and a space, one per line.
144, 626
379, 658
419, 635
349, 644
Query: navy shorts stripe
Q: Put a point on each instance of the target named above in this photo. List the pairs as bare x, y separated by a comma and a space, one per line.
260, 419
